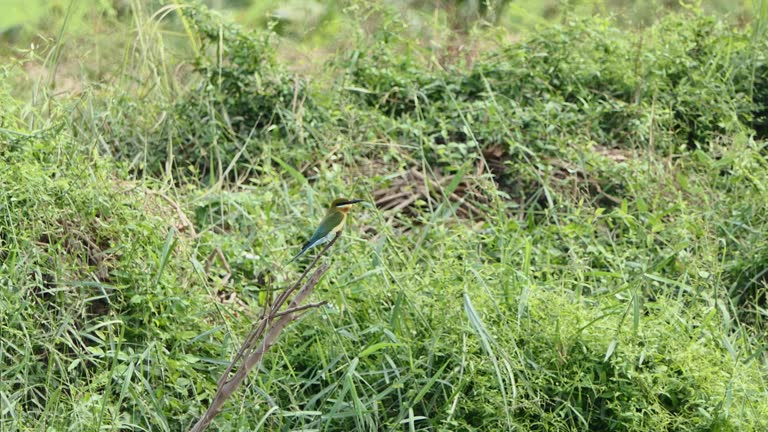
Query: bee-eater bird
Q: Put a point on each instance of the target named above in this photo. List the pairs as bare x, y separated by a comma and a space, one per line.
331, 224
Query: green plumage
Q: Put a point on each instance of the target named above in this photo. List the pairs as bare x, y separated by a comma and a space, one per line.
332, 223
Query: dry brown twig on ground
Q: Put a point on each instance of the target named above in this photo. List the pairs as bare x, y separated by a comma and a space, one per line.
263, 335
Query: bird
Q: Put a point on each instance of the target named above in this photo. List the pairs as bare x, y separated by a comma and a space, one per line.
331, 224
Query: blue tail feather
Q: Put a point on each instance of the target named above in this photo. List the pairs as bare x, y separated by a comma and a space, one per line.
309, 245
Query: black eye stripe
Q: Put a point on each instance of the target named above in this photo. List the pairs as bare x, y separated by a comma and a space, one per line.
344, 203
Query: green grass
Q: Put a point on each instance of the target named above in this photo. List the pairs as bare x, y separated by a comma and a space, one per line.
583, 247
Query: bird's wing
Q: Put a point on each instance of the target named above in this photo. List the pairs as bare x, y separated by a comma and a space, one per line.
326, 228
323, 233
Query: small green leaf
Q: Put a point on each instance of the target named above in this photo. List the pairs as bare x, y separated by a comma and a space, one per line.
376, 347
611, 349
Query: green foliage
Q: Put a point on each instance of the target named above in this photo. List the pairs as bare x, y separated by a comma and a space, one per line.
239, 99
244, 95
93, 320
682, 82
614, 280
678, 84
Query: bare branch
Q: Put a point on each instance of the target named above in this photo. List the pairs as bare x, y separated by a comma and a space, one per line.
263, 335
299, 308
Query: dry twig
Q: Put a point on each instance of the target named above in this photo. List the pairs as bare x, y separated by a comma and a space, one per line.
263, 336
185, 223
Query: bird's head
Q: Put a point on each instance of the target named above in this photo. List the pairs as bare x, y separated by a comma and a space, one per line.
343, 204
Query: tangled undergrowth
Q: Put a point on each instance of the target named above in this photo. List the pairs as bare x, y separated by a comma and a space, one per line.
565, 233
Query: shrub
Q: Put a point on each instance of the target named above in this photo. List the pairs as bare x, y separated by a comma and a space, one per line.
687, 80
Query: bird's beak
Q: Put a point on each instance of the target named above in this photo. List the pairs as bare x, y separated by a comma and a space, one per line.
353, 201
